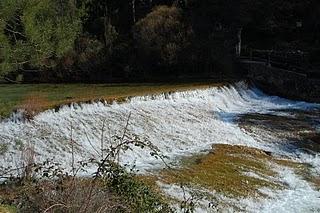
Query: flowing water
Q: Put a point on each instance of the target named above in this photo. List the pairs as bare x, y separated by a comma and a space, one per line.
183, 124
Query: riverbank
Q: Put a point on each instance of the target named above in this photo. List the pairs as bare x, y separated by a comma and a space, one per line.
39, 97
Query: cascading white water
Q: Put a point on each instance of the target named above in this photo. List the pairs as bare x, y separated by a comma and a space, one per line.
179, 124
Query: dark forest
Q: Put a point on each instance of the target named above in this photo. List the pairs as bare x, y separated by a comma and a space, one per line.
147, 40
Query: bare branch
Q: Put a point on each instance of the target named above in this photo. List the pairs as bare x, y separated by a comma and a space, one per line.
53, 206
15, 32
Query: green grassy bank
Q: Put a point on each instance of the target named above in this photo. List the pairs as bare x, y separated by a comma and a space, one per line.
45, 96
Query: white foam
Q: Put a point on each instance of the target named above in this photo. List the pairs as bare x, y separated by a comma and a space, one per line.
299, 196
179, 124
202, 199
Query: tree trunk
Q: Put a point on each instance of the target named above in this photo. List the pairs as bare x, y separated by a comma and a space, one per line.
133, 11
238, 47
73, 7
106, 23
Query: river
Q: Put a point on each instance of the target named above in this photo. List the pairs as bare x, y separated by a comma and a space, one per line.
181, 125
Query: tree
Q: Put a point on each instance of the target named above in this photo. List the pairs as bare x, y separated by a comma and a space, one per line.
161, 36
34, 33
212, 17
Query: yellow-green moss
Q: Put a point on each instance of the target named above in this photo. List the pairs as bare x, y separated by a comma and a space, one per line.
223, 170
7, 209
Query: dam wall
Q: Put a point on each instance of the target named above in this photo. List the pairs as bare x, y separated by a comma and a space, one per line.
282, 82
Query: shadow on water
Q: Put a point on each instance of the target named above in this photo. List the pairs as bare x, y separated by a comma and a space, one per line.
298, 129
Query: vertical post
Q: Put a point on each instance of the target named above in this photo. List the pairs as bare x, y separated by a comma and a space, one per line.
269, 59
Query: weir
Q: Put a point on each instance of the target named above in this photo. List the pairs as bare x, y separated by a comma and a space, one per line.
180, 124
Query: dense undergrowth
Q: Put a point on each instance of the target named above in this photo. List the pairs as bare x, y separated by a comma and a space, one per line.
117, 191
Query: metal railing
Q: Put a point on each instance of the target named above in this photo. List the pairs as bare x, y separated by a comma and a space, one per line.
290, 60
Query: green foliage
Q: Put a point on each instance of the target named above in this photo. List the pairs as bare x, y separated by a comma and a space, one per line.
35, 32
195, 36
101, 14
134, 192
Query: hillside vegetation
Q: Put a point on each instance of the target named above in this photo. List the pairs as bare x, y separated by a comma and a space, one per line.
122, 41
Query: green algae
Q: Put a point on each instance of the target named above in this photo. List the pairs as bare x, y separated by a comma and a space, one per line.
225, 170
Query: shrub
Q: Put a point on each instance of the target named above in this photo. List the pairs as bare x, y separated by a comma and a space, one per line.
162, 35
